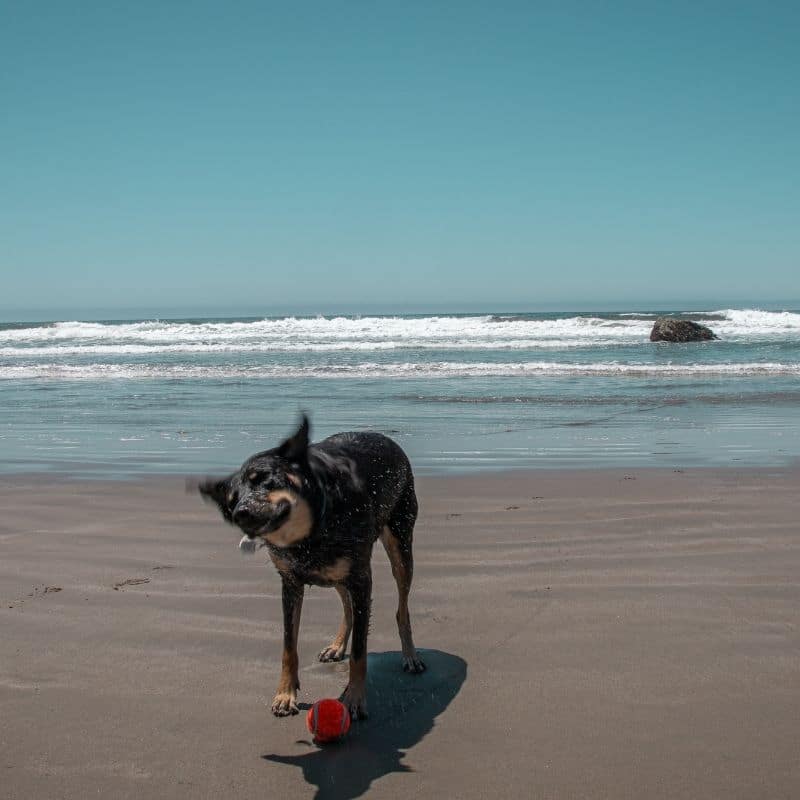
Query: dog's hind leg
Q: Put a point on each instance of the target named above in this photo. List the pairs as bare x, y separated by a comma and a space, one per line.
336, 649
397, 540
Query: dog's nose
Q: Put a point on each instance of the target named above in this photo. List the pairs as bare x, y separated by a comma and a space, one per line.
243, 517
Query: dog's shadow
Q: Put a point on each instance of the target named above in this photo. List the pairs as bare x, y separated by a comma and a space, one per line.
402, 709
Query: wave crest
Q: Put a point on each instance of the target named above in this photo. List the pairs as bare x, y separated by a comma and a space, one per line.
512, 332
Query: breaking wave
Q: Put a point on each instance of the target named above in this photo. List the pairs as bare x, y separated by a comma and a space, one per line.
320, 334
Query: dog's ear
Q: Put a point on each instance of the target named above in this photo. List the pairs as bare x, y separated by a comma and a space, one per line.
219, 491
295, 448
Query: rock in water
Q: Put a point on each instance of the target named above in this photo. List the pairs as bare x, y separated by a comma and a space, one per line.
667, 329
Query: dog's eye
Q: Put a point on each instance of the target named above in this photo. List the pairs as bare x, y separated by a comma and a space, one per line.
255, 476
233, 498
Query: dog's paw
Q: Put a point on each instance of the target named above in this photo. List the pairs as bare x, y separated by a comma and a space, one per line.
332, 653
413, 664
284, 704
355, 699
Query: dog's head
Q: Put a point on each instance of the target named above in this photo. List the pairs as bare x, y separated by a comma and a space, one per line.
272, 496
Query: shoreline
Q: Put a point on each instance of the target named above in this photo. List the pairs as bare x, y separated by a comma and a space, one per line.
179, 479
595, 633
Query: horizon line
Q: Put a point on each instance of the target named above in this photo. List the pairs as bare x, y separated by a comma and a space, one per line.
166, 312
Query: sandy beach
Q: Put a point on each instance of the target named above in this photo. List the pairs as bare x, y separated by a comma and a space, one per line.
594, 634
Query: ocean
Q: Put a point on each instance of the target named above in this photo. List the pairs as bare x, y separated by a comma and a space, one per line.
460, 392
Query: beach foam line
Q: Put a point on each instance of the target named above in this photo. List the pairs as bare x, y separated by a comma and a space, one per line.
70, 349
366, 370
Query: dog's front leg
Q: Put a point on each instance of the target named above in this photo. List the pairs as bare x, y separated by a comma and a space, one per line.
285, 700
355, 695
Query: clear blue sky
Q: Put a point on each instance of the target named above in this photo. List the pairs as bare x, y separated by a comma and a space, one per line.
255, 157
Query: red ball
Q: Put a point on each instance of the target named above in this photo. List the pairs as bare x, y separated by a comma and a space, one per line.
328, 720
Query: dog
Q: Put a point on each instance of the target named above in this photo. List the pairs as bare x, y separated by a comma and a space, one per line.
319, 509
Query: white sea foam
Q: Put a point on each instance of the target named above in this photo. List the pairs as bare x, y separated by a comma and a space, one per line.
752, 321
322, 330
289, 347
441, 369
293, 334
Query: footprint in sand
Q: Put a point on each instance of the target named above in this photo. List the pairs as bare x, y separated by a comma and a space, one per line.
37, 592
130, 582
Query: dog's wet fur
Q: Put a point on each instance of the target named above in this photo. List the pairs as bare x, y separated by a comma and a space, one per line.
319, 509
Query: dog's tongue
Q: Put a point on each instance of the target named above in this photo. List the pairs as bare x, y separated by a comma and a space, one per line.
249, 546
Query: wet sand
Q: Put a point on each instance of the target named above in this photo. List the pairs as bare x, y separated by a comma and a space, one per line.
596, 634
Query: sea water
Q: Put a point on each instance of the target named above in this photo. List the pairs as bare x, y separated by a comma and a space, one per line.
458, 391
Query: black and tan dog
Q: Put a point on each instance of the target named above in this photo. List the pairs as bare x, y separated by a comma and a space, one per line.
319, 509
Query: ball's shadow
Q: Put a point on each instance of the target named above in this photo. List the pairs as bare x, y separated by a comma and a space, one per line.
402, 710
